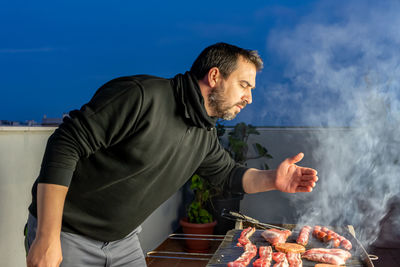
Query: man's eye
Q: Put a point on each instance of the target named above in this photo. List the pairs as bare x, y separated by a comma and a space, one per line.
243, 85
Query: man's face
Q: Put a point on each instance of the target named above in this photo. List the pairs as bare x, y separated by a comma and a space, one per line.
230, 96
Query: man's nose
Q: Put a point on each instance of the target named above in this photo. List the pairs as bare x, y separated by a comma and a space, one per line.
248, 96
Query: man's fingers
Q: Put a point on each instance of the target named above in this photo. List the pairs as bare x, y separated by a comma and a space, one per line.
309, 178
307, 184
296, 158
308, 171
303, 189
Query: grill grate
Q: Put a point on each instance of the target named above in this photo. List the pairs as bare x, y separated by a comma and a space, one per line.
228, 251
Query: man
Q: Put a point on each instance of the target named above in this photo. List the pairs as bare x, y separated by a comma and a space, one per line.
138, 140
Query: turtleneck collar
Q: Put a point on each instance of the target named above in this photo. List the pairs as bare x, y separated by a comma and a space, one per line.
191, 101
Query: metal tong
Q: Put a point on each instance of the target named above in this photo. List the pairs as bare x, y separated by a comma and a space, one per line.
232, 215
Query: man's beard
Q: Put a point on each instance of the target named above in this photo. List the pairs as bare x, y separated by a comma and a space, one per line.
219, 105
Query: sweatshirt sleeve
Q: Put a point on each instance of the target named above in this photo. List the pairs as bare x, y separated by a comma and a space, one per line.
109, 116
221, 170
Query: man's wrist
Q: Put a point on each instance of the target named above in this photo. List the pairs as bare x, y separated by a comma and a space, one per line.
269, 180
49, 235
255, 180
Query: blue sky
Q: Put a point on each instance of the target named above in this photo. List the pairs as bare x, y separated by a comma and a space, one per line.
55, 54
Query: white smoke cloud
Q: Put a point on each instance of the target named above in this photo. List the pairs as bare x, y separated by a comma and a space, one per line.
344, 70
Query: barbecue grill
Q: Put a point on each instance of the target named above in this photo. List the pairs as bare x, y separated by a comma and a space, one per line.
228, 251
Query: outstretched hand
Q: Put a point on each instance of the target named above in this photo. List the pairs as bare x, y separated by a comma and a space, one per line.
291, 178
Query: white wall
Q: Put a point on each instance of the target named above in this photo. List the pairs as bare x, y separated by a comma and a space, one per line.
21, 152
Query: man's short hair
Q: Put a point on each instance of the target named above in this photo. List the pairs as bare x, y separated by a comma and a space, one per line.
223, 56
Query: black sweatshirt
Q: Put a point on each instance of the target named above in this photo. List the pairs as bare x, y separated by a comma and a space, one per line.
137, 141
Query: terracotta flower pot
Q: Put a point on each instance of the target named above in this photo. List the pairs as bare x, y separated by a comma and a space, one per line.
198, 246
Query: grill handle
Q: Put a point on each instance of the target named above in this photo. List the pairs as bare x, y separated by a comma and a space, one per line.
175, 255
196, 237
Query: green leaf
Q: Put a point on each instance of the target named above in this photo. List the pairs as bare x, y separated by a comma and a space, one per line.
260, 149
205, 216
203, 213
266, 167
205, 195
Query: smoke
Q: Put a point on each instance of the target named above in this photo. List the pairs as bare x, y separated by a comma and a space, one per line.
343, 70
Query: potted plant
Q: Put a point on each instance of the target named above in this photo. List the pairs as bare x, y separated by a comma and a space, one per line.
199, 219
238, 147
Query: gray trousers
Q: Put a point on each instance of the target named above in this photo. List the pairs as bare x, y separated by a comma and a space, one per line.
80, 251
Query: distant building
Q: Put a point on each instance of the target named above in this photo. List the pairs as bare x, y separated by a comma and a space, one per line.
9, 123
52, 121
5, 122
31, 123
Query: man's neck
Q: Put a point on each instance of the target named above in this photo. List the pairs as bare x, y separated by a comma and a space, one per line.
205, 91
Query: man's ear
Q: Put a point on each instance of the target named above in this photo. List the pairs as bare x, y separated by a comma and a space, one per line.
213, 76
